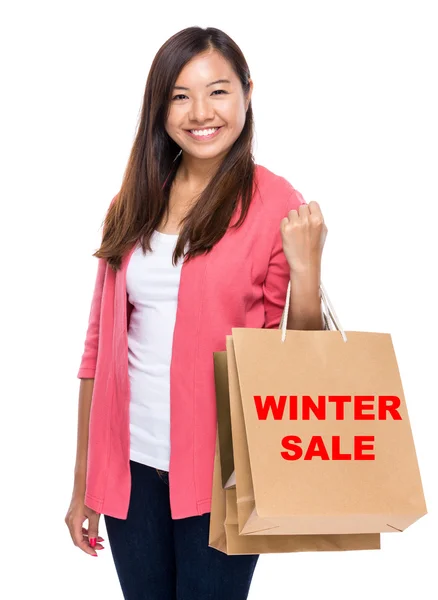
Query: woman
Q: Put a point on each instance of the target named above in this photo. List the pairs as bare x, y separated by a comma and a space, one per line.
147, 420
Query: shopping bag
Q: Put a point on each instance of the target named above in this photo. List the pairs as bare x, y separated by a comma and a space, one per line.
224, 535
327, 431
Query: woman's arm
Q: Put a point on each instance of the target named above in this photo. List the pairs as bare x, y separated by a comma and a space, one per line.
305, 308
84, 407
88, 540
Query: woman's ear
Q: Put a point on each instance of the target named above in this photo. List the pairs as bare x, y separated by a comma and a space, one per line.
248, 96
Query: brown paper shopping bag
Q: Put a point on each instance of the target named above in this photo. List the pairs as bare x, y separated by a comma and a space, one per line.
327, 430
224, 536
224, 530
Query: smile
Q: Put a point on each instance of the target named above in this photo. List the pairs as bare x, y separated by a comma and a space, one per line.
204, 134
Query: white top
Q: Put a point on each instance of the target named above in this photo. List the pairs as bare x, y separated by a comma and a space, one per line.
152, 284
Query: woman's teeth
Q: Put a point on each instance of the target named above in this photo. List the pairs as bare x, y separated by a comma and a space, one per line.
203, 131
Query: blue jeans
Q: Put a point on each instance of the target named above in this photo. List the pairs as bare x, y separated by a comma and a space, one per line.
159, 558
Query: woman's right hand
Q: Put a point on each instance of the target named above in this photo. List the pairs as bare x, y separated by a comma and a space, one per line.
76, 515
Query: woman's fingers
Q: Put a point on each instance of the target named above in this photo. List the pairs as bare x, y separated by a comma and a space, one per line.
99, 546
74, 524
85, 532
93, 527
81, 541
76, 515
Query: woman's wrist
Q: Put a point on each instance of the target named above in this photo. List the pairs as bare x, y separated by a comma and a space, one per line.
79, 482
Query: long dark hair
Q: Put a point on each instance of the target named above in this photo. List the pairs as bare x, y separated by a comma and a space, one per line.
142, 201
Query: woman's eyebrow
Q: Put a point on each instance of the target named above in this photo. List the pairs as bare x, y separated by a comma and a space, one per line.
180, 87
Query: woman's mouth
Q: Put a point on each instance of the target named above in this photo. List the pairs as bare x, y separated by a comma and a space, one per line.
204, 134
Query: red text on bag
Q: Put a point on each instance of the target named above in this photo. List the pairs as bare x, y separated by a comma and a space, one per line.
385, 407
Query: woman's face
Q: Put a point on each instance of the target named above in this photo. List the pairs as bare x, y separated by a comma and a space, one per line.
205, 104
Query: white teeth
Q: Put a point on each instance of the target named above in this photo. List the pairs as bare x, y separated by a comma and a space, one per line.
204, 131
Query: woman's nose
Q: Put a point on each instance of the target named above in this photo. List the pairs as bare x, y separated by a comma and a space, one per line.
201, 110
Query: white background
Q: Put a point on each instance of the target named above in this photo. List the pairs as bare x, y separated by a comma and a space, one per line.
345, 104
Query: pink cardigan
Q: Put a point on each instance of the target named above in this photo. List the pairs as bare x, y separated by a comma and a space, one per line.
242, 282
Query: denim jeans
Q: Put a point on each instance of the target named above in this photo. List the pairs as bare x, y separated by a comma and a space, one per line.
160, 558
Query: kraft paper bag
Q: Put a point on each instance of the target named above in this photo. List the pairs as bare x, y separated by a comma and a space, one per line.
224, 536
351, 470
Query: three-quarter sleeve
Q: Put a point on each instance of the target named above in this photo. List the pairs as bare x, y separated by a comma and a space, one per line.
89, 356
88, 362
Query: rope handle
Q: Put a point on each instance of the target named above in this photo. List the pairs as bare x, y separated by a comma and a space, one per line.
329, 315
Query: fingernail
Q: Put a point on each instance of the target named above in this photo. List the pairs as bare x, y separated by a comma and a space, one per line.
92, 542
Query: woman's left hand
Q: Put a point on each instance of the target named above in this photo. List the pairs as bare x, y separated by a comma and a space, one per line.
303, 233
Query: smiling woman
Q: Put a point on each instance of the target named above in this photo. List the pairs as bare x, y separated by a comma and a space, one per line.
147, 425
211, 109
191, 163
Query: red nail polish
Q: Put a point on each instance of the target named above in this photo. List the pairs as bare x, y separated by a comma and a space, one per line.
92, 542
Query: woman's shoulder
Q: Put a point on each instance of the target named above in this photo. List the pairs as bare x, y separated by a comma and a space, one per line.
275, 191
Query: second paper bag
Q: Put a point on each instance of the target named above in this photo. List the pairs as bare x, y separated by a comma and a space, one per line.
229, 506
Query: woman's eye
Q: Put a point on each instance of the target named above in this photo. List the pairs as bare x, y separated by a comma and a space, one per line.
178, 96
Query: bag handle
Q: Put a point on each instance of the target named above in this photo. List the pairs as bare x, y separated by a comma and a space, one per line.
329, 315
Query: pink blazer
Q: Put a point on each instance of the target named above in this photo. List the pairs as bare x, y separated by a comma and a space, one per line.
242, 282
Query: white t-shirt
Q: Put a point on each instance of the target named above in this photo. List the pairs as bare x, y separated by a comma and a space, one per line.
152, 284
